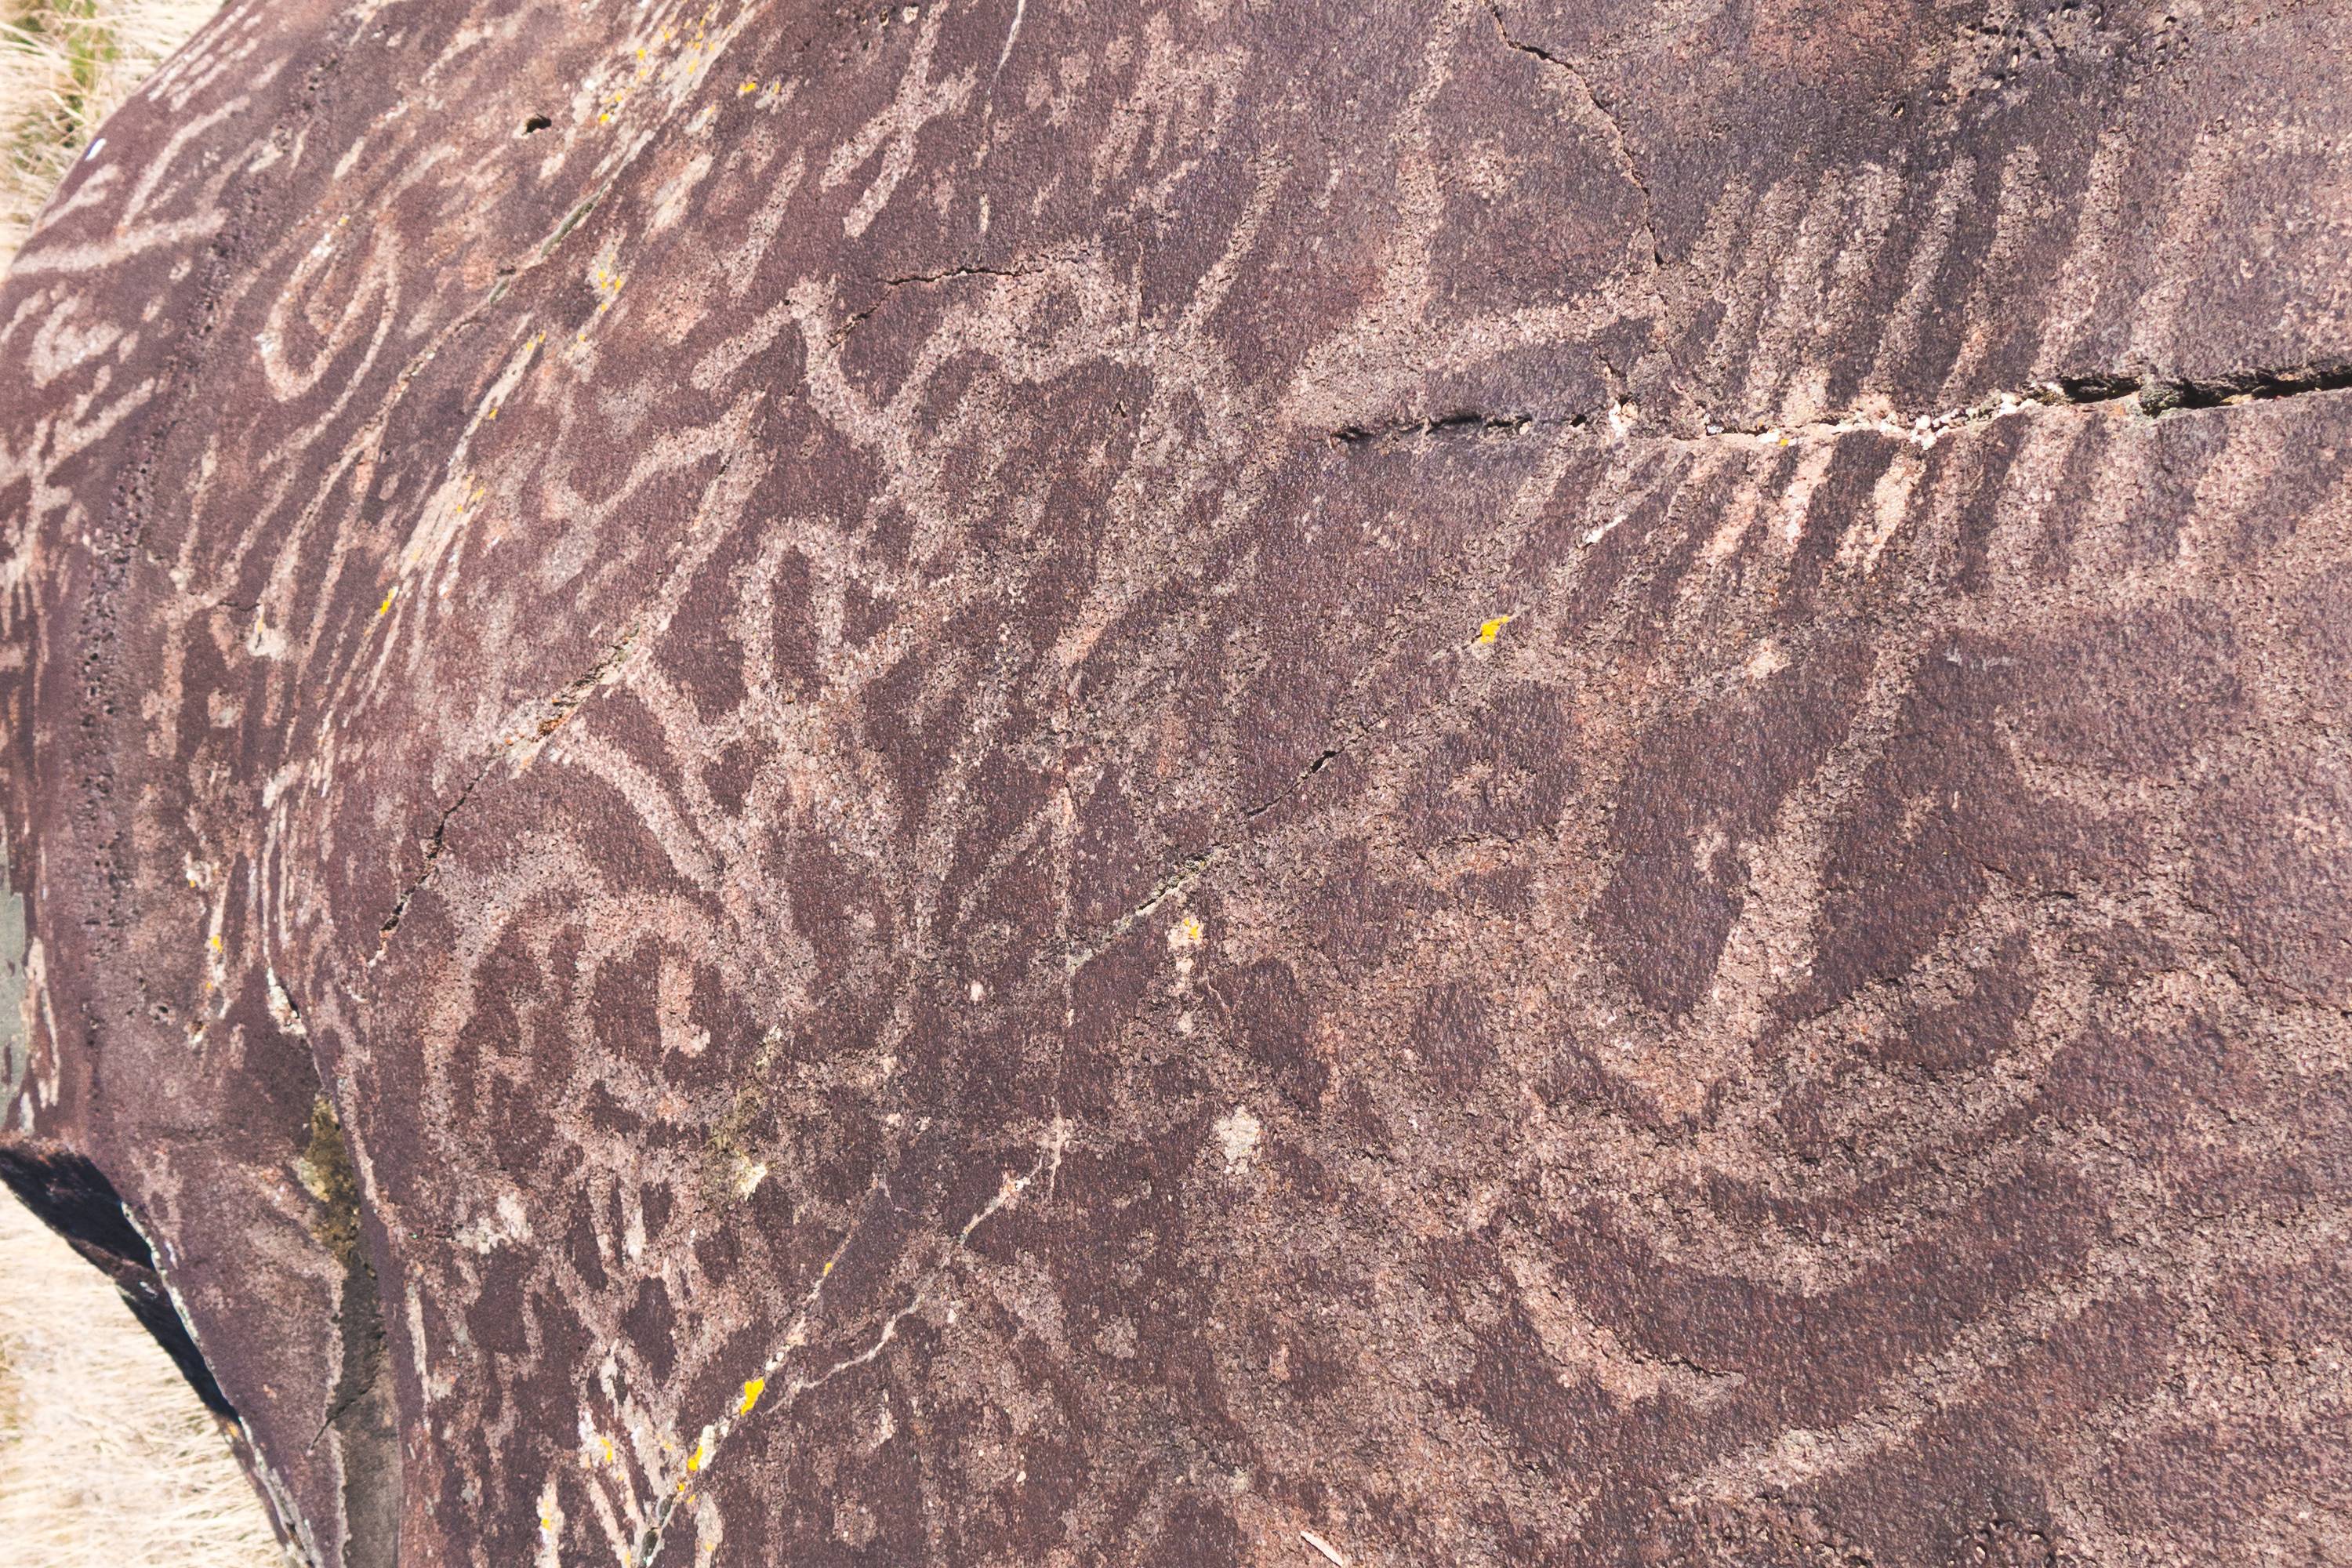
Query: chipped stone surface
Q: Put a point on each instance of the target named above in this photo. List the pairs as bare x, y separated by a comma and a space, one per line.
693, 699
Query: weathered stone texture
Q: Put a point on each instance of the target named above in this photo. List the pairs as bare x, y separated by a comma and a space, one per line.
1553, 783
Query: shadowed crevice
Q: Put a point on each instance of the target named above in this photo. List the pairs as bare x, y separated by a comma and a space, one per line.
67, 1192
360, 1413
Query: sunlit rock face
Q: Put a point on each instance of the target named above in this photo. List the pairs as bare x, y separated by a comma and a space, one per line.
1012, 783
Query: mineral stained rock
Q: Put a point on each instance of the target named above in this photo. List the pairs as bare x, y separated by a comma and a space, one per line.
1024, 782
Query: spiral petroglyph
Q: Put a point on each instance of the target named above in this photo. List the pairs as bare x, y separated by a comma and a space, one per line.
999, 782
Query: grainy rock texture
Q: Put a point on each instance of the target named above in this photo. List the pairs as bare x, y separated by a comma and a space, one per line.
1024, 782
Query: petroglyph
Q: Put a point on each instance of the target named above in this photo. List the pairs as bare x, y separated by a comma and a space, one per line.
982, 782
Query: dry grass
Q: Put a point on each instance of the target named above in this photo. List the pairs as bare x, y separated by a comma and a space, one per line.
106, 1457
64, 67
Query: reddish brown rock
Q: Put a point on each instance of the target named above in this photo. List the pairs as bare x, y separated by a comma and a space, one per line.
1009, 783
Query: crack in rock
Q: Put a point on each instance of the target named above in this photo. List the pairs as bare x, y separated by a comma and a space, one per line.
2152, 397
555, 712
1010, 1191
1622, 148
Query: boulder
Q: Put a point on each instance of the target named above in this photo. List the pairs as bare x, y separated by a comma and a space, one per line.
1381, 782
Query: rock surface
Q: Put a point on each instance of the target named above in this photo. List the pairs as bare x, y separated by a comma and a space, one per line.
1010, 783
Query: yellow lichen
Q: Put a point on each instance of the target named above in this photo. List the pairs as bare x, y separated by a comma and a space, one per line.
751, 1391
1492, 628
